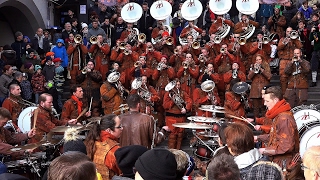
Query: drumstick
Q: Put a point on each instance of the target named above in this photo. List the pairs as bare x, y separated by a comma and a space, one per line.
82, 113
90, 104
35, 115
242, 119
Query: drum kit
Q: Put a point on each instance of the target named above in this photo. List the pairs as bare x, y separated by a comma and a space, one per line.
204, 127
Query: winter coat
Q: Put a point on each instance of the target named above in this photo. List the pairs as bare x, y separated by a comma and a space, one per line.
38, 81
61, 52
26, 90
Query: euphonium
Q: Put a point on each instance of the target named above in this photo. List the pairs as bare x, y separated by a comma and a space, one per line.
78, 39
295, 58
217, 39
122, 45
160, 66
265, 39
142, 37
93, 40
195, 45
169, 41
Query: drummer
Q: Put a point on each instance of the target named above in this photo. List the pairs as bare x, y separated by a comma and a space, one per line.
45, 120
73, 107
7, 139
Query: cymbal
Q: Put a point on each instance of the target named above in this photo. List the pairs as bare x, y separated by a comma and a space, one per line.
62, 129
192, 126
212, 110
25, 147
203, 119
94, 119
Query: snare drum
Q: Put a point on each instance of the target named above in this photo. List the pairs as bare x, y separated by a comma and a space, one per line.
203, 152
309, 136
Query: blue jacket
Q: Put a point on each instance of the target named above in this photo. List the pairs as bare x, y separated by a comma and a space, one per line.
307, 13
61, 52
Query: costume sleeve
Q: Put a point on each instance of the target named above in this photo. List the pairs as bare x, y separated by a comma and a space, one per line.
194, 73
154, 94
231, 102
180, 72
227, 77
188, 101
167, 102
114, 55
106, 94
65, 114
84, 49
12, 138
111, 162
197, 99
105, 49
171, 72
70, 49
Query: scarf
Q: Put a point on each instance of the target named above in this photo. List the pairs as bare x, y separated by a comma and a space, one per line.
79, 103
104, 135
279, 107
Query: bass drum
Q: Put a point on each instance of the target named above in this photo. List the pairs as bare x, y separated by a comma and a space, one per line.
203, 152
305, 116
309, 136
24, 120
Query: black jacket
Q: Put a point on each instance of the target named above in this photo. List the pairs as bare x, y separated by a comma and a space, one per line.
146, 20
20, 48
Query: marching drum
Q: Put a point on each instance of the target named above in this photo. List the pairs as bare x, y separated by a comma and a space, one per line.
309, 135
305, 114
24, 120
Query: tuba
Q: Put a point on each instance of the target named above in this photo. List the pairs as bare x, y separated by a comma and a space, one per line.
222, 33
78, 39
176, 98
93, 40
208, 86
143, 92
193, 33
131, 12
114, 78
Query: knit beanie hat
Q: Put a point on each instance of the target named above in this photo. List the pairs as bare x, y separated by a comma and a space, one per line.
49, 54
265, 170
127, 156
27, 65
157, 164
36, 67
72, 141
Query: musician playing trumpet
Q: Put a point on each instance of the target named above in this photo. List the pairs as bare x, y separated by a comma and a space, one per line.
127, 58
149, 96
77, 57
166, 45
234, 73
117, 49
218, 24
190, 30
260, 75
127, 33
176, 113
286, 47
177, 58
139, 70
99, 53
153, 57
188, 74
192, 47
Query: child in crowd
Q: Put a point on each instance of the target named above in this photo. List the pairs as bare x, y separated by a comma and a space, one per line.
26, 90
28, 68
38, 81
49, 69
58, 80
60, 52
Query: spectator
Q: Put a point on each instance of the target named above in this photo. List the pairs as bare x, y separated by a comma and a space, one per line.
182, 162
266, 171
311, 166
96, 30
60, 51
48, 70
306, 10
5, 80
19, 46
58, 80
26, 89
223, 167
40, 43
38, 81
66, 31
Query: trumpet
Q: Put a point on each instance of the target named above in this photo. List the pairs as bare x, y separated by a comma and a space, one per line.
160, 66
142, 37
222, 50
122, 45
234, 73
201, 58
169, 41
185, 64
256, 68
93, 40
84, 70
126, 52
242, 40
294, 34
150, 48
137, 64
175, 51
295, 58
78, 39
195, 45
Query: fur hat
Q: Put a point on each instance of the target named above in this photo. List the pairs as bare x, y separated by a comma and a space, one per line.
127, 156
36, 67
157, 164
265, 170
72, 141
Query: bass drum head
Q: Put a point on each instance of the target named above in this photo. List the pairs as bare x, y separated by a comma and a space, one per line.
310, 136
24, 120
305, 116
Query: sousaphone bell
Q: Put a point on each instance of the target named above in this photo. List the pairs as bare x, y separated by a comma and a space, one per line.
247, 7
220, 7
160, 10
131, 12
191, 10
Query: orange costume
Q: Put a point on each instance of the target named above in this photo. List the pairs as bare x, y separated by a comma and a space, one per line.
72, 108
77, 60
152, 59
188, 78
145, 107
227, 77
14, 106
174, 115
201, 98
100, 55
218, 24
110, 97
185, 32
176, 61
104, 156
127, 61
233, 106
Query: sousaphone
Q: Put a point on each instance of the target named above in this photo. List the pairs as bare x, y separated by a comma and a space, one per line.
136, 83
207, 86
247, 7
131, 12
191, 10
220, 7
170, 86
194, 34
160, 10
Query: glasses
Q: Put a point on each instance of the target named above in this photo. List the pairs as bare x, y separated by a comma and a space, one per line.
119, 127
303, 167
